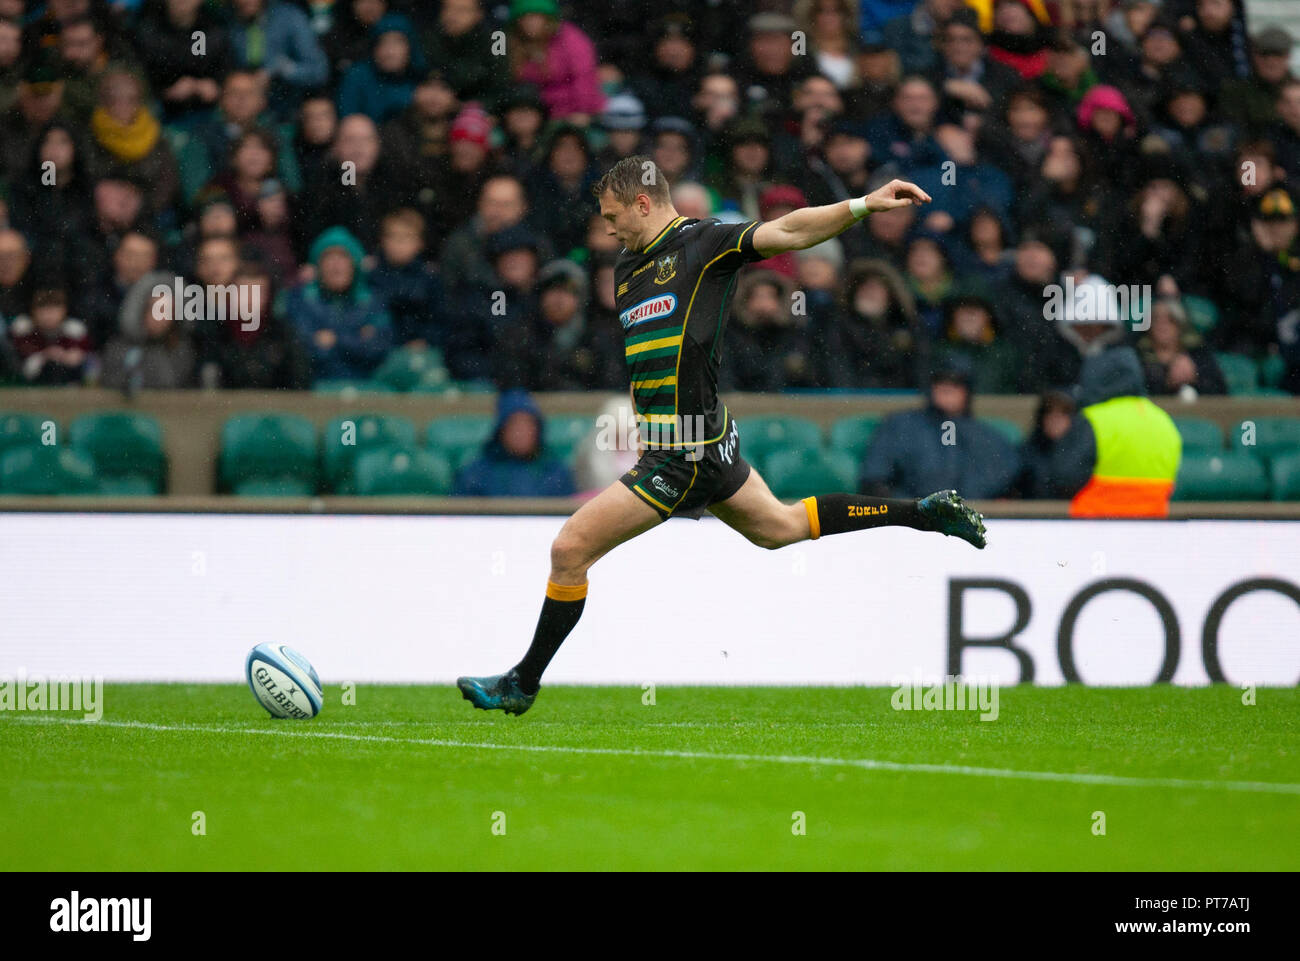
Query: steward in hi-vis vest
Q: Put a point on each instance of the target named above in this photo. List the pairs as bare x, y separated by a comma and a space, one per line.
1138, 447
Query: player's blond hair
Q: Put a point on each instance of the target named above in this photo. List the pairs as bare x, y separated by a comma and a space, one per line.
632, 176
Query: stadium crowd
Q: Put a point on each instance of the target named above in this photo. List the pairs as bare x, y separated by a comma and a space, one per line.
393, 175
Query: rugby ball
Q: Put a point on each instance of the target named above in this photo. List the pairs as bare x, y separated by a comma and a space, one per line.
283, 681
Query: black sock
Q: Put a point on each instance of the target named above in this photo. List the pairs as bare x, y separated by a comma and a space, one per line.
839, 513
560, 613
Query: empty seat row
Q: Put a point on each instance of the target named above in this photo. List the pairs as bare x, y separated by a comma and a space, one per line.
1246, 376
285, 455
760, 437
122, 453
114, 453
1264, 437
1237, 476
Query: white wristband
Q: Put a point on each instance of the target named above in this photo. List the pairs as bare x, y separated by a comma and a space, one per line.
858, 207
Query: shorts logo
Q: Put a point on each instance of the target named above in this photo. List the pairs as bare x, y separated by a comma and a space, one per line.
664, 488
651, 308
665, 268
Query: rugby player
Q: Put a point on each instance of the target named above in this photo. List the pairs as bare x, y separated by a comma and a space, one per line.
674, 278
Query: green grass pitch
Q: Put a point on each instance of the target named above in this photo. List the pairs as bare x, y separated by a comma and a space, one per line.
705, 778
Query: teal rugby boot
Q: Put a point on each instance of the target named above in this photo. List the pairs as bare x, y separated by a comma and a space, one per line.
948, 514
500, 692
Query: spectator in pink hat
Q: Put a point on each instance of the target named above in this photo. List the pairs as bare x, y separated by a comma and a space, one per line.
1104, 111
556, 57
470, 163
472, 130
1109, 134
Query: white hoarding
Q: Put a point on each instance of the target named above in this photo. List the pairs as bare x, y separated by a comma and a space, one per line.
421, 599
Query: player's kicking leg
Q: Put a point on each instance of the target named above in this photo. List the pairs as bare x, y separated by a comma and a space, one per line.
755, 512
613, 516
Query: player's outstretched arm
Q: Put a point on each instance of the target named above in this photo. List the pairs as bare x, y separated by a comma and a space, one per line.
809, 226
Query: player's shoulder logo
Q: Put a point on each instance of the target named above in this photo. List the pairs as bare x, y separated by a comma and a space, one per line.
665, 268
652, 308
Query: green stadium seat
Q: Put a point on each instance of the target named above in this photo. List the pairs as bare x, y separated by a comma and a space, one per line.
807, 471
1199, 434
368, 432
401, 470
411, 369
852, 434
351, 387
761, 437
434, 386
126, 449
474, 386
264, 454
1202, 313
1286, 477
1271, 370
1009, 429
1221, 477
1273, 436
20, 430
1239, 371
459, 439
127, 487
564, 432
41, 470
275, 487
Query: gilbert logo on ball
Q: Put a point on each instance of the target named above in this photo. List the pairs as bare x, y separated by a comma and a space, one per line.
283, 681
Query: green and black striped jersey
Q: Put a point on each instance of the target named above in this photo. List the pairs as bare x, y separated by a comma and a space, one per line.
672, 300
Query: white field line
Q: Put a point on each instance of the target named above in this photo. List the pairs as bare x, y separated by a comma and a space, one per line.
866, 764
